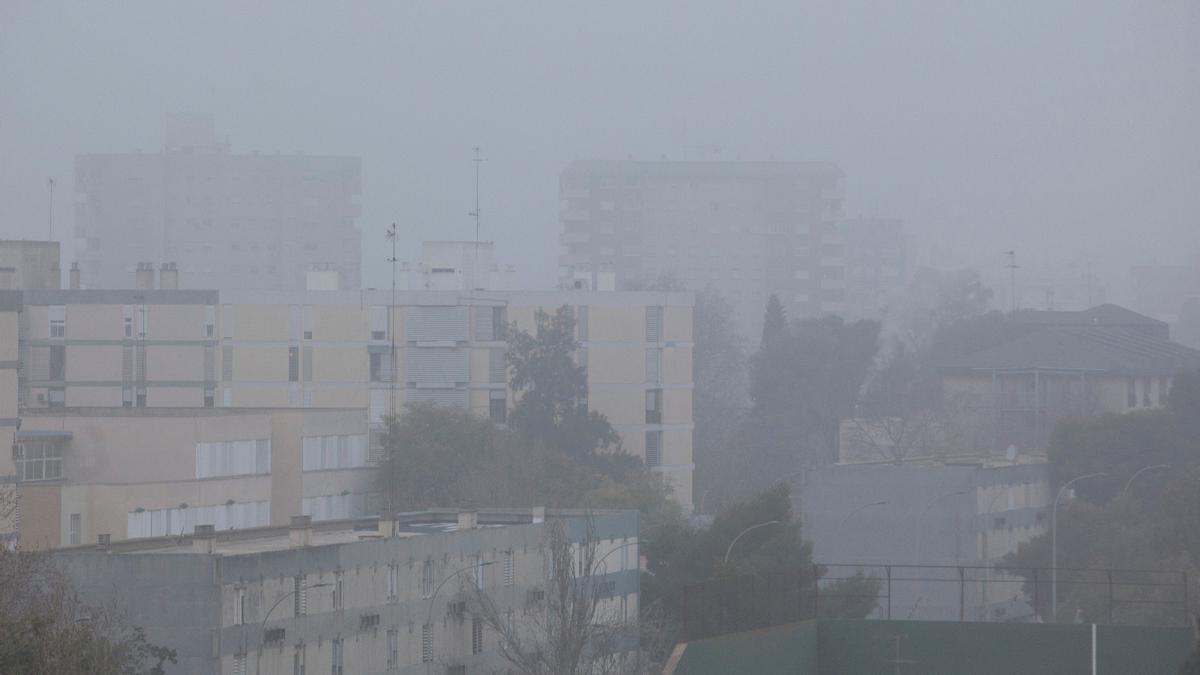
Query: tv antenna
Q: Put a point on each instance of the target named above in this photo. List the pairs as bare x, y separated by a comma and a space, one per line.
1012, 271
475, 214
391, 328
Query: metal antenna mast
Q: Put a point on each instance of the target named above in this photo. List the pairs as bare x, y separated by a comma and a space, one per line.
50, 211
1012, 270
475, 214
391, 328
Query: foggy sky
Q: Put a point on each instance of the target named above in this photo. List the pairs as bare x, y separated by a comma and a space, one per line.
1065, 130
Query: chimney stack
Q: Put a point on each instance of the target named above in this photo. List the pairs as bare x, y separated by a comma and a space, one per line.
204, 539
168, 276
300, 531
143, 279
74, 276
468, 520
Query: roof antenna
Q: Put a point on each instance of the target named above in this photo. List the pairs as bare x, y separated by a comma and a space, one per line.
1012, 270
475, 214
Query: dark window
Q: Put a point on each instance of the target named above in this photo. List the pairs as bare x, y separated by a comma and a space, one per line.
293, 364
58, 363
476, 635
654, 406
653, 448
498, 409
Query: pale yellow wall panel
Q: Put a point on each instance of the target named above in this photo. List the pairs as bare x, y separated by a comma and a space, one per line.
677, 323
340, 364
175, 397
260, 322
677, 446
95, 322
37, 319
98, 397
173, 363
8, 397
260, 397
676, 365
620, 406
617, 365
261, 364
334, 323
341, 397
93, 363
9, 335
172, 322
677, 406
613, 323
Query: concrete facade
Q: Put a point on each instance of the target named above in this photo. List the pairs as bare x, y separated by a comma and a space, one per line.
227, 220
236, 350
10, 308
348, 596
748, 228
29, 264
967, 512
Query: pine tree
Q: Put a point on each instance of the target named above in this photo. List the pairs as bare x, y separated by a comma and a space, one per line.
775, 321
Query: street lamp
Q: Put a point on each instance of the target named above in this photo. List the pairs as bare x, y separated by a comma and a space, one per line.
627, 544
846, 518
739, 536
921, 517
1054, 540
262, 629
432, 598
1139, 472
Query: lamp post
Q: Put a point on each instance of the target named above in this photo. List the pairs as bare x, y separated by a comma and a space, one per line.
627, 544
262, 629
1137, 473
1054, 540
921, 517
846, 518
432, 598
748, 529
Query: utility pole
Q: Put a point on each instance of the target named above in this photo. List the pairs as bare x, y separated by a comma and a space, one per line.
391, 329
1012, 270
50, 210
475, 214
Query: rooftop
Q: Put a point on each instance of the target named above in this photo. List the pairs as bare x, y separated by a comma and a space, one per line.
1110, 350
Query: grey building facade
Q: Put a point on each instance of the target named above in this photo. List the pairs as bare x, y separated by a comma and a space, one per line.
348, 597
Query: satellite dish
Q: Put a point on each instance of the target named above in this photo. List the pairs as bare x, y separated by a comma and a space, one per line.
1011, 454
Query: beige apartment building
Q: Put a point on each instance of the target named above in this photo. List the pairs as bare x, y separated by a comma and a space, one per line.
165, 348
130, 473
10, 306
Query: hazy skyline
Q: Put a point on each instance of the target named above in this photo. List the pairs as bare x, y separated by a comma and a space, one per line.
1065, 131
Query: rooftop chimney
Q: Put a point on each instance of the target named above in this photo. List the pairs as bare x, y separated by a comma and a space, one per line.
300, 531
204, 539
168, 276
468, 520
143, 279
74, 276
537, 514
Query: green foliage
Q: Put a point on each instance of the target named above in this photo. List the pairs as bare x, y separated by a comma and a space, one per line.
774, 321
853, 597
802, 383
551, 389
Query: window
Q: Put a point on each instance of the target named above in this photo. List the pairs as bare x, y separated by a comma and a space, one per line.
58, 363
128, 310
393, 647
227, 321
58, 321
345, 451
298, 665
332, 507
652, 365
581, 322
210, 321
427, 579
381, 366
233, 458
509, 568
38, 460
308, 322
653, 323
227, 363
499, 322
498, 407
1131, 393
293, 364
653, 448
393, 582
426, 643
378, 319
73, 532
497, 366
1146, 393
478, 572
239, 606
654, 406
300, 595
336, 668
476, 635
183, 519
339, 590
239, 664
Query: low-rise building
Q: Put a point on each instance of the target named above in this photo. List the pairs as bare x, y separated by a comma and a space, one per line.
353, 596
954, 512
29, 264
